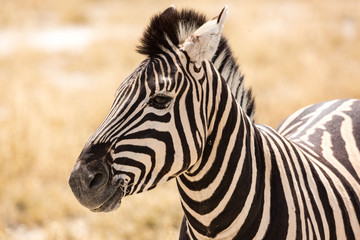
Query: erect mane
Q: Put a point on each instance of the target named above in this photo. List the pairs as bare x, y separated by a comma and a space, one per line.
173, 27
170, 25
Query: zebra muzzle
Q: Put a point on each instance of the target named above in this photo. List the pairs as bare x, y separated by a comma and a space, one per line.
91, 183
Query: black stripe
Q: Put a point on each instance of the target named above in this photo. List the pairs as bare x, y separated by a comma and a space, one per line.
208, 205
139, 149
213, 134
253, 220
290, 180
345, 217
130, 162
355, 115
190, 112
149, 117
115, 121
213, 104
318, 220
170, 72
278, 210
325, 202
179, 126
333, 127
164, 137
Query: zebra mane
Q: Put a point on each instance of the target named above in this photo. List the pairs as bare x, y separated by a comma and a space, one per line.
172, 27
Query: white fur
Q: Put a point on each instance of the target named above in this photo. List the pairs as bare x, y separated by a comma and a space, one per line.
202, 44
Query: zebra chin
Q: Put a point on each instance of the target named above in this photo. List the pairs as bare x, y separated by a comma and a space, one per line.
111, 204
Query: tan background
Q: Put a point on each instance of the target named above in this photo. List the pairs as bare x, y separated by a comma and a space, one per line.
62, 60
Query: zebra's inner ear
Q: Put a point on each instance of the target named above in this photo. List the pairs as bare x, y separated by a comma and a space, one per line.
203, 43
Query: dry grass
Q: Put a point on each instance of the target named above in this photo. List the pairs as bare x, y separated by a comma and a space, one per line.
293, 54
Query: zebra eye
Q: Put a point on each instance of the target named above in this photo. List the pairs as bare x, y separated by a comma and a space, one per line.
160, 101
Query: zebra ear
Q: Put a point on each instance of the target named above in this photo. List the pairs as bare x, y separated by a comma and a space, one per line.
203, 43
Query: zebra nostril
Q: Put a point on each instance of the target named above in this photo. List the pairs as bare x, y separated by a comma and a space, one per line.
98, 181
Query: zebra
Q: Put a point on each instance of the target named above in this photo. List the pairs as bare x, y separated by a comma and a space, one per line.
184, 113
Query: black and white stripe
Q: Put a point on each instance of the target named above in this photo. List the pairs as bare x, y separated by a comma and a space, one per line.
174, 117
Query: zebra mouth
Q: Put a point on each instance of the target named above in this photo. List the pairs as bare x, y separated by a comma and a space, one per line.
111, 203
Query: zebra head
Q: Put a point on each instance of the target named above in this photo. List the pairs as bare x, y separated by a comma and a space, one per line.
158, 125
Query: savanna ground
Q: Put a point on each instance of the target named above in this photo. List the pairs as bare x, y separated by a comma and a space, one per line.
61, 62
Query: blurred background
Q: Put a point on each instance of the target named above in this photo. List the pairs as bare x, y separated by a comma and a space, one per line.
62, 60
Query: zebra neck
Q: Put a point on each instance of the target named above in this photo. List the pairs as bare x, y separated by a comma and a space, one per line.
215, 192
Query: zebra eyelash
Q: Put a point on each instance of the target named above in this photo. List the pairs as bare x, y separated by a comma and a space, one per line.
160, 101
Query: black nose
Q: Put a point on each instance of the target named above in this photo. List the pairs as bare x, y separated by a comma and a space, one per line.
87, 180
